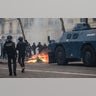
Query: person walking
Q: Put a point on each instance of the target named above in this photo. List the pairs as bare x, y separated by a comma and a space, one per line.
10, 50
34, 48
40, 47
21, 47
45, 46
28, 51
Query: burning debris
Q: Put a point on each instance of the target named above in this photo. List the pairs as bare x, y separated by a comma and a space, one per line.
42, 57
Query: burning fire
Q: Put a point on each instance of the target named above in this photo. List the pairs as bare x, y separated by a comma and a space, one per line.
43, 56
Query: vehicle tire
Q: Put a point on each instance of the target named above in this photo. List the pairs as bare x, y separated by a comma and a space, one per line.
60, 56
89, 56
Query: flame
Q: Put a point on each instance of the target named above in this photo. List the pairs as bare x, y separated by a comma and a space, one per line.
43, 56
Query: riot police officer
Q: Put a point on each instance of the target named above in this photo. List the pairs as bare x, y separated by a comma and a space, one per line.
21, 47
40, 47
34, 48
10, 50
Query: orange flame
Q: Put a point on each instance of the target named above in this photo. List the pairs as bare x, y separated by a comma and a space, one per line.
43, 56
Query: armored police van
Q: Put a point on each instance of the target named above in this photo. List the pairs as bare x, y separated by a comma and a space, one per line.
76, 45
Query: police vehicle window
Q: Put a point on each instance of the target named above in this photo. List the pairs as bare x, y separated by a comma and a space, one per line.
77, 27
75, 36
86, 26
68, 36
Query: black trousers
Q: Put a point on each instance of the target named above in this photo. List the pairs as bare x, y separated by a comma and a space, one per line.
10, 60
21, 60
34, 51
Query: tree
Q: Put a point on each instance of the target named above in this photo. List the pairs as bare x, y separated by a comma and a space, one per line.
62, 24
21, 28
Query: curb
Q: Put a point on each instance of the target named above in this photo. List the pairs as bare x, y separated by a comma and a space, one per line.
3, 62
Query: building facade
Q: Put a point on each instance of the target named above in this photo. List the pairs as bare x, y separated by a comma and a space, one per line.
71, 22
38, 29
35, 29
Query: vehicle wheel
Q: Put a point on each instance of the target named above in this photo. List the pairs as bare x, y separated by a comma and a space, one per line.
88, 55
60, 56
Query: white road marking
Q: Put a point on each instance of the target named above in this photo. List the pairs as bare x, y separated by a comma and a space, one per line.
55, 72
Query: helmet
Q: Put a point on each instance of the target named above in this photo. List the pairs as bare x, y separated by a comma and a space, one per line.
20, 38
9, 37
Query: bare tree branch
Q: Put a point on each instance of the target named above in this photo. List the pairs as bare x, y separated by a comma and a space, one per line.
21, 28
62, 24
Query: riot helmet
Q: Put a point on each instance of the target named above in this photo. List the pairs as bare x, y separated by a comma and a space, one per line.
9, 37
20, 38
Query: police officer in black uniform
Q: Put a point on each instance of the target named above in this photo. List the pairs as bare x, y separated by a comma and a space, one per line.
40, 47
21, 47
34, 48
10, 50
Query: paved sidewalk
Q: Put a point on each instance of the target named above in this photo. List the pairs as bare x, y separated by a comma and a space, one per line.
3, 61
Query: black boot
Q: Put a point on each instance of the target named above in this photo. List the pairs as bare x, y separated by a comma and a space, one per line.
10, 74
15, 74
23, 70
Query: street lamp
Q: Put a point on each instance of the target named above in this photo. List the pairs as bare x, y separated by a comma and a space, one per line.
21, 28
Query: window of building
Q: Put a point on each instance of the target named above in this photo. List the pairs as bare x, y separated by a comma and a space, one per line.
18, 27
2, 28
10, 27
83, 20
94, 19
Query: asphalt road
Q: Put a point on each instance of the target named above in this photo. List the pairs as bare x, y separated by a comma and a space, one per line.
42, 70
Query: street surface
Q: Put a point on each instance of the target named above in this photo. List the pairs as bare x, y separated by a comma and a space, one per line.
43, 70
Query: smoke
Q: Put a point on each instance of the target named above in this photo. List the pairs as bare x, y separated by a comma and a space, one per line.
42, 28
